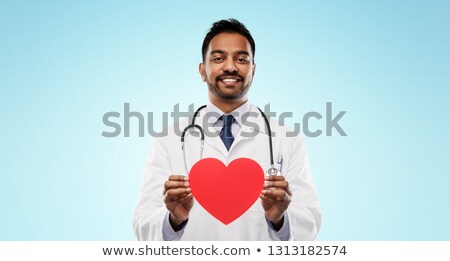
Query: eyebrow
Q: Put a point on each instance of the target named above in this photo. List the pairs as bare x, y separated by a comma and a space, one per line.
243, 52
223, 52
217, 51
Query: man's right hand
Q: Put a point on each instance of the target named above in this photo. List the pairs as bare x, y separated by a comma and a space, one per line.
178, 199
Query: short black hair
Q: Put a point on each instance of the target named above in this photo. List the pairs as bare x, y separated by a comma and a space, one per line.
227, 26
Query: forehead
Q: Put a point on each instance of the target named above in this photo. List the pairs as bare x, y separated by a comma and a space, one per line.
229, 42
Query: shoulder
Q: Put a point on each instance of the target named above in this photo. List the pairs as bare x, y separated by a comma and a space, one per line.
172, 133
276, 127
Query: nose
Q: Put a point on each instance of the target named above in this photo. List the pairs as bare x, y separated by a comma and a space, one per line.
229, 66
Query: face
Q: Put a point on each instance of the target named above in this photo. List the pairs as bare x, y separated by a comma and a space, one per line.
228, 68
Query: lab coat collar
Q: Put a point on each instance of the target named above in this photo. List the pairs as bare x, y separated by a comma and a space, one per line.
214, 113
215, 140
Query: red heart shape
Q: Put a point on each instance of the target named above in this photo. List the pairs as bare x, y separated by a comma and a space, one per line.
226, 192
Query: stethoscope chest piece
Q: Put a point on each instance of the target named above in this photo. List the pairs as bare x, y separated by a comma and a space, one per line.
272, 171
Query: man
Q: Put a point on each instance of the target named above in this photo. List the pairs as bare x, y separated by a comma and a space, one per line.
288, 207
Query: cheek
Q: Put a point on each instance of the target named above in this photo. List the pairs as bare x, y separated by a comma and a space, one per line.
246, 71
248, 75
211, 72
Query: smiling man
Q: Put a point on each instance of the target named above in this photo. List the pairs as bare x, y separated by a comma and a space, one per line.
287, 207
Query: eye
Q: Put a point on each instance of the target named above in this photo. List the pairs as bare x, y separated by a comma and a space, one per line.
242, 60
217, 59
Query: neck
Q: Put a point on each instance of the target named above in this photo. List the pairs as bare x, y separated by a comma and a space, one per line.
227, 106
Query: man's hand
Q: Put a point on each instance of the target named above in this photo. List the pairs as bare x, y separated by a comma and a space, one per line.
178, 199
276, 198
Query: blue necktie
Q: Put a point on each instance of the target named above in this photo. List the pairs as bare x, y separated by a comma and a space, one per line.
225, 133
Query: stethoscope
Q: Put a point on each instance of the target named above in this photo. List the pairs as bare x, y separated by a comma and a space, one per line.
272, 171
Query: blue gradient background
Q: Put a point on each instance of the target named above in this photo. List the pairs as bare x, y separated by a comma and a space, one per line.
64, 64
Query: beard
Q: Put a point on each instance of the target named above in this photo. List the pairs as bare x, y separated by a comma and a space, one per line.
237, 91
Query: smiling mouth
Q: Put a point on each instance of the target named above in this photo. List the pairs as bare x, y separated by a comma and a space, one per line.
229, 80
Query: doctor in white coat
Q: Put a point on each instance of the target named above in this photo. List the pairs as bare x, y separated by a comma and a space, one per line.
287, 208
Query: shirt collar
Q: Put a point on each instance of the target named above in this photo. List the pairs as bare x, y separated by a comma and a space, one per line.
214, 113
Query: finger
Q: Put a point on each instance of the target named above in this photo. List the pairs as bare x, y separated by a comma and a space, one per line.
276, 184
185, 198
274, 178
178, 178
177, 193
263, 197
175, 184
276, 194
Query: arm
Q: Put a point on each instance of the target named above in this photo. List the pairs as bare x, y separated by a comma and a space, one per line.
152, 221
304, 212
290, 202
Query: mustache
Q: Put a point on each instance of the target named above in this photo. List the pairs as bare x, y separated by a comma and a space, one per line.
233, 74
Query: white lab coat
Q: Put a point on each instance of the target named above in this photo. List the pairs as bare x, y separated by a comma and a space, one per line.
166, 158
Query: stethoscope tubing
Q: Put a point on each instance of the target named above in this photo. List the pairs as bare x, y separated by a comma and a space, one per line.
272, 170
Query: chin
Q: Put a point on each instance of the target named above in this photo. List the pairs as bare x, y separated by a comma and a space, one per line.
231, 96
228, 93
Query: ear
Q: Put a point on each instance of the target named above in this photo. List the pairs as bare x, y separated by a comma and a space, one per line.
254, 69
201, 70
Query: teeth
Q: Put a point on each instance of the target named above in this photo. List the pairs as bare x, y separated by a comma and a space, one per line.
229, 80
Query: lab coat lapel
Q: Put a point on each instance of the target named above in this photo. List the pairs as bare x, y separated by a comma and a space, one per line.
249, 130
246, 133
